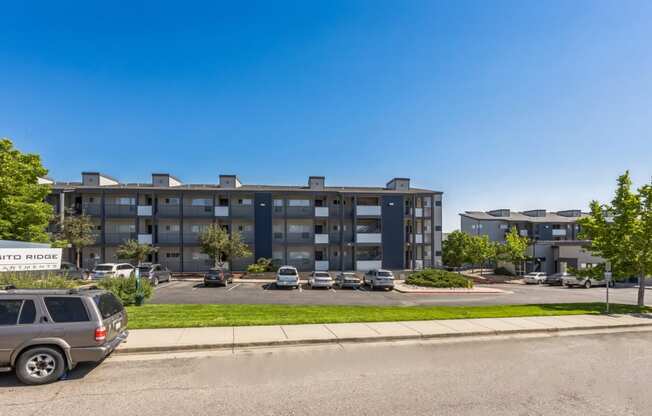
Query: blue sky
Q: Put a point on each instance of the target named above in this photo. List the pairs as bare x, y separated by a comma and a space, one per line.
521, 104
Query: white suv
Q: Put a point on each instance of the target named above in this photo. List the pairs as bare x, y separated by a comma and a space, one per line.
112, 270
287, 276
379, 278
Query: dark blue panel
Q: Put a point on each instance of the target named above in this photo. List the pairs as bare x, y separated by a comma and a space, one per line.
393, 230
263, 225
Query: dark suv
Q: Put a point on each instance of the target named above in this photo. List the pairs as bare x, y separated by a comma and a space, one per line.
44, 332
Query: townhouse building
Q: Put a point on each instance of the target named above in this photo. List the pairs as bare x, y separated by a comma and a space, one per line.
312, 227
554, 236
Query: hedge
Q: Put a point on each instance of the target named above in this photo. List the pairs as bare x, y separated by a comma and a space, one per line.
438, 278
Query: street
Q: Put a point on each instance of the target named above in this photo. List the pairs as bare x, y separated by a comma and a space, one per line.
259, 293
600, 374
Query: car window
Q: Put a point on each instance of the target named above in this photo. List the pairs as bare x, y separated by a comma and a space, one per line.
385, 274
27, 313
66, 309
124, 267
9, 310
108, 305
157, 268
287, 272
103, 268
322, 275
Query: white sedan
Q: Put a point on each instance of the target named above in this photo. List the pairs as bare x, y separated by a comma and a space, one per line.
535, 278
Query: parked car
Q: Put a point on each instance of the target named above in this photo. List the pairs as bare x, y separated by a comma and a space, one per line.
112, 270
347, 279
555, 279
71, 271
379, 279
44, 332
535, 278
320, 279
155, 273
217, 276
287, 276
585, 282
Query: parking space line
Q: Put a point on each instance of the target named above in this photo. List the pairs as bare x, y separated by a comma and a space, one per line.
333, 290
233, 287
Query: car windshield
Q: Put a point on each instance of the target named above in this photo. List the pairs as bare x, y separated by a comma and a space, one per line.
103, 268
322, 275
385, 274
145, 269
214, 272
287, 272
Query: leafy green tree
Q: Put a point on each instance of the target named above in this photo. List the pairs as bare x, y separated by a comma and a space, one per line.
480, 250
455, 249
78, 232
514, 250
621, 232
24, 214
220, 246
133, 250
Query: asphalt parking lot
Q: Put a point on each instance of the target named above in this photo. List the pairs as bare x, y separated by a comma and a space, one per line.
187, 292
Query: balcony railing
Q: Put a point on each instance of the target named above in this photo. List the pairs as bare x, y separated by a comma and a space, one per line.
321, 211
168, 210
92, 209
368, 210
278, 211
242, 211
278, 237
119, 238
191, 238
300, 212
168, 238
145, 239
198, 211
306, 238
321, 239
364, 265
221, 211
246, 236
368, 238
117, 210
144, 210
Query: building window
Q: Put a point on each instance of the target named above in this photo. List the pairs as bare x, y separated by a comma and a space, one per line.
201, 202
125, 201
172, 255
245, 201
172, 201
277, 202
298, 203
437, 227
437, 203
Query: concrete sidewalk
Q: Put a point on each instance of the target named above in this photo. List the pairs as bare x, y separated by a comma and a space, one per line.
185, 339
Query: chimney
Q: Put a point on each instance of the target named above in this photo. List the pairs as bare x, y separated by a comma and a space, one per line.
316, 182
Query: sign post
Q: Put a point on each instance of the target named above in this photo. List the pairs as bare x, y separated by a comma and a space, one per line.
607, 279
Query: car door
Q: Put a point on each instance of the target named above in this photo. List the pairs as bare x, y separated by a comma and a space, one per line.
17, 325
71, 319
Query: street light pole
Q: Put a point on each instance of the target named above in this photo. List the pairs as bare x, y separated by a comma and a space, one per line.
607, 279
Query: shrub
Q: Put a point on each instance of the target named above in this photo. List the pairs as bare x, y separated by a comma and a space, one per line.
438, 278
125, 289
33, 280
261, 266
503, 271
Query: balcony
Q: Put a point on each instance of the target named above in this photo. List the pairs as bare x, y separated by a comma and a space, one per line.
221, 211
168, 211
144, 210
321, 211
368, 210
300, 212
118, 238
168, 238
190, 238
278, 237
278, 211
117, 210
559, 232
198, 211
246, 236
321, 238
321, 265
365, 265
144, 239
300, 238
242, 211
94, 210
368, 238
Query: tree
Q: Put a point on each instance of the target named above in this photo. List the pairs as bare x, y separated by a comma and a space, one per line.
480, 250
455, 249
24, 214
77, 231
133, 250
220, 246
621, 232
514, 250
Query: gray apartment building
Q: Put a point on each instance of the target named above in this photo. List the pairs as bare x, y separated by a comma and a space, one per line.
313, 227
554, 236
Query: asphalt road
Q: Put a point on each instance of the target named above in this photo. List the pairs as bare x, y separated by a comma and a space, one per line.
569, 375
256, 293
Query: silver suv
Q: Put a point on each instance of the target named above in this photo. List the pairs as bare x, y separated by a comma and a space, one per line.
44, 332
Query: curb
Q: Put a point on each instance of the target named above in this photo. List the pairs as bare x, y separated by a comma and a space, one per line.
359, 340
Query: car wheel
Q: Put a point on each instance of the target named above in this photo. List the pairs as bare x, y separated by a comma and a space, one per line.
40, 365
587, 284
371, 286
155, 281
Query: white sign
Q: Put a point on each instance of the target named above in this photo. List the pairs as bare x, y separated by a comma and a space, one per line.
24, 259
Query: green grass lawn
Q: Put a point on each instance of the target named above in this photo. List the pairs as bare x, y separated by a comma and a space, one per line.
186, 316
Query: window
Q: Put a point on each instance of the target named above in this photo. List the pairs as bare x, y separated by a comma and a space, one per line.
27, 313
437, 227
172, 227
245, 201
172, 201
66, 309
299, 255
91, 199
198, 228
299, 228
125, 200
124, 267
278, 202
298, 202
108, 305
437, 203
201, 202
9, 310
224, 202
171, 255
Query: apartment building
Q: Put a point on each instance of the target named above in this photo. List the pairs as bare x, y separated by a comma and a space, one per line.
555, 239
312, 227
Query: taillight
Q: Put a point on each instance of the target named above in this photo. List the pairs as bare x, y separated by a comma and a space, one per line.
100, 334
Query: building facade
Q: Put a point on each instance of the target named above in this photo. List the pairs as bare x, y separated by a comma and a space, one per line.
313, 227
555, 243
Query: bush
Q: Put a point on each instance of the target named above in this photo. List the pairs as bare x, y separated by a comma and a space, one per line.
438, 278
261, 266
33, 280
503, 271
125, 289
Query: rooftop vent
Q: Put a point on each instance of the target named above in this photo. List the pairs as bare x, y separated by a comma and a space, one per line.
164, 180
97, 179
500, 213
570, 213
316, 182
229, 181
399, 184
535, 213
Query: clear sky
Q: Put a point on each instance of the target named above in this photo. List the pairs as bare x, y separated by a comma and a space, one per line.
521, 104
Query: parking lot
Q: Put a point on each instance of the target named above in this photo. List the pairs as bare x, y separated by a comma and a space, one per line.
266, 293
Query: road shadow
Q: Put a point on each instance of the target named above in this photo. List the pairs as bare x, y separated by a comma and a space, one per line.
78, 373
